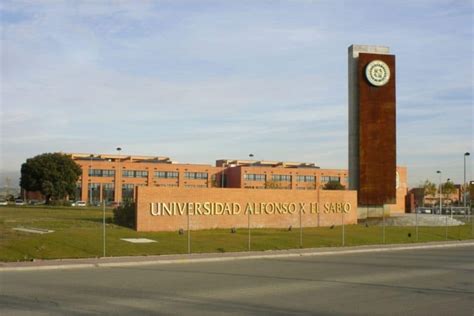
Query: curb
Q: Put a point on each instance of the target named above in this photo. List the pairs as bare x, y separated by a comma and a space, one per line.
229, 257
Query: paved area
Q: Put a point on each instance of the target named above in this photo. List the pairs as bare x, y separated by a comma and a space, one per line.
434, 281
429, 220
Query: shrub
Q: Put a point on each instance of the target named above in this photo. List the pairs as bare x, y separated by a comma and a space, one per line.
124, 215
333, 185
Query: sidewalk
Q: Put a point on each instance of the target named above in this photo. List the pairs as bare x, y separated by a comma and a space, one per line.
209, 257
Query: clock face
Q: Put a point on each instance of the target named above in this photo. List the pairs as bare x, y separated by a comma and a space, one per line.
377, 72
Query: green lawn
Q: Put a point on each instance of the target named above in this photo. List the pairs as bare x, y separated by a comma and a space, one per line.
78, 234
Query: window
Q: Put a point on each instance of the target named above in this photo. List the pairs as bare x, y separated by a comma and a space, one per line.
305, 178
78, 192
195, 186
108, 192
281, 177
330, 179
254, 177
101, 173
134, 174
94, 192
167, 174
195, 175
127, 192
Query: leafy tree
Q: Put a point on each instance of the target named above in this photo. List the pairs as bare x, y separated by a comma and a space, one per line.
124, 215
333, 185
448, 188
430, 188
53, 174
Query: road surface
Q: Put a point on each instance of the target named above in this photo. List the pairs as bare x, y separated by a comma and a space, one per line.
409, 282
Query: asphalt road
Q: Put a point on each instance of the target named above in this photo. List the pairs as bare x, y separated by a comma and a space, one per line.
408, 282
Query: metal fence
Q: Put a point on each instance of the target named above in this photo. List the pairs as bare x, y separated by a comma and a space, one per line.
28, 233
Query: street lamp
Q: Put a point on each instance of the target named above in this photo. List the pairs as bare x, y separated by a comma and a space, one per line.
248, 218
440, 192
251, 156
90, 179
119, 149
464, 183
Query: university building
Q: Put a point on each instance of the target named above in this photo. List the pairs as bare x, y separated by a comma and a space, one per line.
113, 178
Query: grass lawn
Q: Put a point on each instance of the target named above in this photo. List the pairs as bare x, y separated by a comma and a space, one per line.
78, 234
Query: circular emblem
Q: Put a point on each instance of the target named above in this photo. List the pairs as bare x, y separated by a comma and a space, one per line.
377, 72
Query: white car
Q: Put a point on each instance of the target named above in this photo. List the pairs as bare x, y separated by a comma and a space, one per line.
19, 202
3, 202
79, 203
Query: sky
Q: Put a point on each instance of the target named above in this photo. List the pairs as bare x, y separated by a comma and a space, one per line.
203, 80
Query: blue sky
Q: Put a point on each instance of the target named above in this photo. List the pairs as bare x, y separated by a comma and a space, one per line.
202, 80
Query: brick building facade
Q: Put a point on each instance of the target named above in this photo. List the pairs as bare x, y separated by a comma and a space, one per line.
113, 178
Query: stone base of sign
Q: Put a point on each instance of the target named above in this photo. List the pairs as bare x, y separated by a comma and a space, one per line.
364, 212
171, 209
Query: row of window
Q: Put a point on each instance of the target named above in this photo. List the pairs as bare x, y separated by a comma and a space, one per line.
330, 179
281, 177
144, 174
101, 173
108, 190
204, 175
195, 175
167, 174
305, 178
287, 178
254, 177
134, 174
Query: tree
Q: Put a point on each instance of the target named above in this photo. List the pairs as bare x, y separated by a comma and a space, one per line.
448, 188
429, 187
53, 174
333, 185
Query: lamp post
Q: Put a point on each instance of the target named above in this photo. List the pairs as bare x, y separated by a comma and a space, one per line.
119, 149
464, 183
248, 219
450, 204
90, 179
440, 192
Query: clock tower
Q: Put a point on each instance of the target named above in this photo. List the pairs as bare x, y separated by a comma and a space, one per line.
372, 125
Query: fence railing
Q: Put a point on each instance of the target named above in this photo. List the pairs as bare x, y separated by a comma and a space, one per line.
32, 233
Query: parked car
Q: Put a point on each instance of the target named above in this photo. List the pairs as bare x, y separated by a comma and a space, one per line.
36, 202
19, 202
423, 210
79, 203
3, 202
